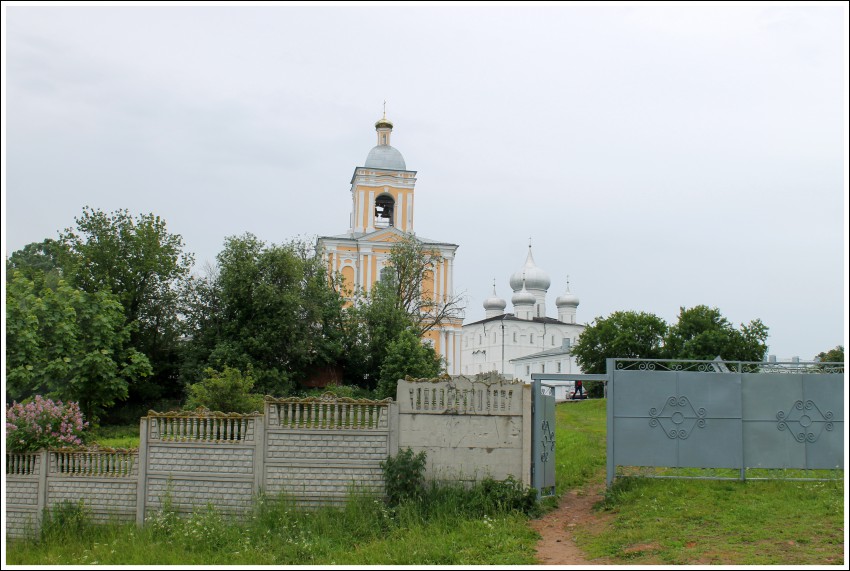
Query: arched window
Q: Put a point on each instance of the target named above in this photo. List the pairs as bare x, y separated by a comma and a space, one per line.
384, 211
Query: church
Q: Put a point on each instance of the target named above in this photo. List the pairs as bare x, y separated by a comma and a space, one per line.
526, 341
382, 212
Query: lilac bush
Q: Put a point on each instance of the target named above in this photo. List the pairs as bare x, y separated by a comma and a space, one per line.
42, 423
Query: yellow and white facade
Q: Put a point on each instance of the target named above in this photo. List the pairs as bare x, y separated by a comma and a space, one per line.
382, 209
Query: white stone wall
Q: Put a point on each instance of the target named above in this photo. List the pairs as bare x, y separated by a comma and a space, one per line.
469, 429
22, 506
187, 494
104, 498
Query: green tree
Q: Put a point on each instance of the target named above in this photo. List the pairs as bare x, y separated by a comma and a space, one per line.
626, 334
226, 391
835, 355
69, 344
145, 267
410, 266
42, 262
407, 356
702, 332
398, 302
269, 307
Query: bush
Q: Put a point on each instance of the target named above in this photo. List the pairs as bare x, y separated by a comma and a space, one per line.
501, 496
41, 423
225, 391
404, 476
66, 520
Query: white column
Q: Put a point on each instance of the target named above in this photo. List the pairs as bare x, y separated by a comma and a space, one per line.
370, 212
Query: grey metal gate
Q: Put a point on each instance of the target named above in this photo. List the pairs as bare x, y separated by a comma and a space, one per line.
734, 415
543, 439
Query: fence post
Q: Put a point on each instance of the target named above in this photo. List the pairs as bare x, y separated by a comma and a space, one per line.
527, 430
260, 449
393, 428
609, 406
43, 466
142, 482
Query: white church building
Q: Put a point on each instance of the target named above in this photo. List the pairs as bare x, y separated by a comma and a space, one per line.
526, 341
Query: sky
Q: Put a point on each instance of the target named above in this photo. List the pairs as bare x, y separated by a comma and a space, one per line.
658, 156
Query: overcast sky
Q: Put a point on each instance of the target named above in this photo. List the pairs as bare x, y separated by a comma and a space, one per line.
661, 156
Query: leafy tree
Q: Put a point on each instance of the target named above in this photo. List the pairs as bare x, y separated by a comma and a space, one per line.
703, 333
835, 355
69, 344
396, 303
626, 334
411, 264
406, 356
226, 391
269, 307
41, 262
144, 266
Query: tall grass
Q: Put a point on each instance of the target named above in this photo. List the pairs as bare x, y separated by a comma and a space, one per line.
448, 525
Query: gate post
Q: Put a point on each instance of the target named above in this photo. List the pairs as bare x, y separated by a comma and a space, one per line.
609, 425
543, 440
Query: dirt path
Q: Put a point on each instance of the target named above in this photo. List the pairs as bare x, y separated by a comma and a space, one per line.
557, 544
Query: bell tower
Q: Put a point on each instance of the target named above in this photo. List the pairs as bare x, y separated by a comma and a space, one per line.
382, 189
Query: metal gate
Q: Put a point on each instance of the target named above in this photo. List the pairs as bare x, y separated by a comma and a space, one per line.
543, 439
729, 416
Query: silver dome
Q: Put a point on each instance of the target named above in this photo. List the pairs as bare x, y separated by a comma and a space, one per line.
523, 297
494, 302
567, 299
535, 278
385, 157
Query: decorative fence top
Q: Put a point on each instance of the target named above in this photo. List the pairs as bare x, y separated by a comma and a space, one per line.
720, 366
328, 412
480, 395
103, 462
202, 426
22, 463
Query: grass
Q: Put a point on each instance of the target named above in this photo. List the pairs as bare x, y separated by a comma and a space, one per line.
696, 522
121, 436
641, 521
450, 525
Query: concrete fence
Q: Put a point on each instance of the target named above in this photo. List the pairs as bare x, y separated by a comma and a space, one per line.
314, 450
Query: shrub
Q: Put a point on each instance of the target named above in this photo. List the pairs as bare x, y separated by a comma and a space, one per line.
509, 495
225, 391
42, 423
66, 520
404, 476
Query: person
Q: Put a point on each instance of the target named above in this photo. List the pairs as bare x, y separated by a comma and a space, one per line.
579, 389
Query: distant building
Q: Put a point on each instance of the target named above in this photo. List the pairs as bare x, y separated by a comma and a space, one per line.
382, 198
526, 341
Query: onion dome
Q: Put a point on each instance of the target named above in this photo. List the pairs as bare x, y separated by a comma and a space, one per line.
383, 155
568, 299
534, 277
494, 302
523, 297
383, 122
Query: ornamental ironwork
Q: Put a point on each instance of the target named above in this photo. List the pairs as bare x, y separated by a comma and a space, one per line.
805, 421
547, 447
677, 418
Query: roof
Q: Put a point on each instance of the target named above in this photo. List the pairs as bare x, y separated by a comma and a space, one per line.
546, 353
358, 236
512, 317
